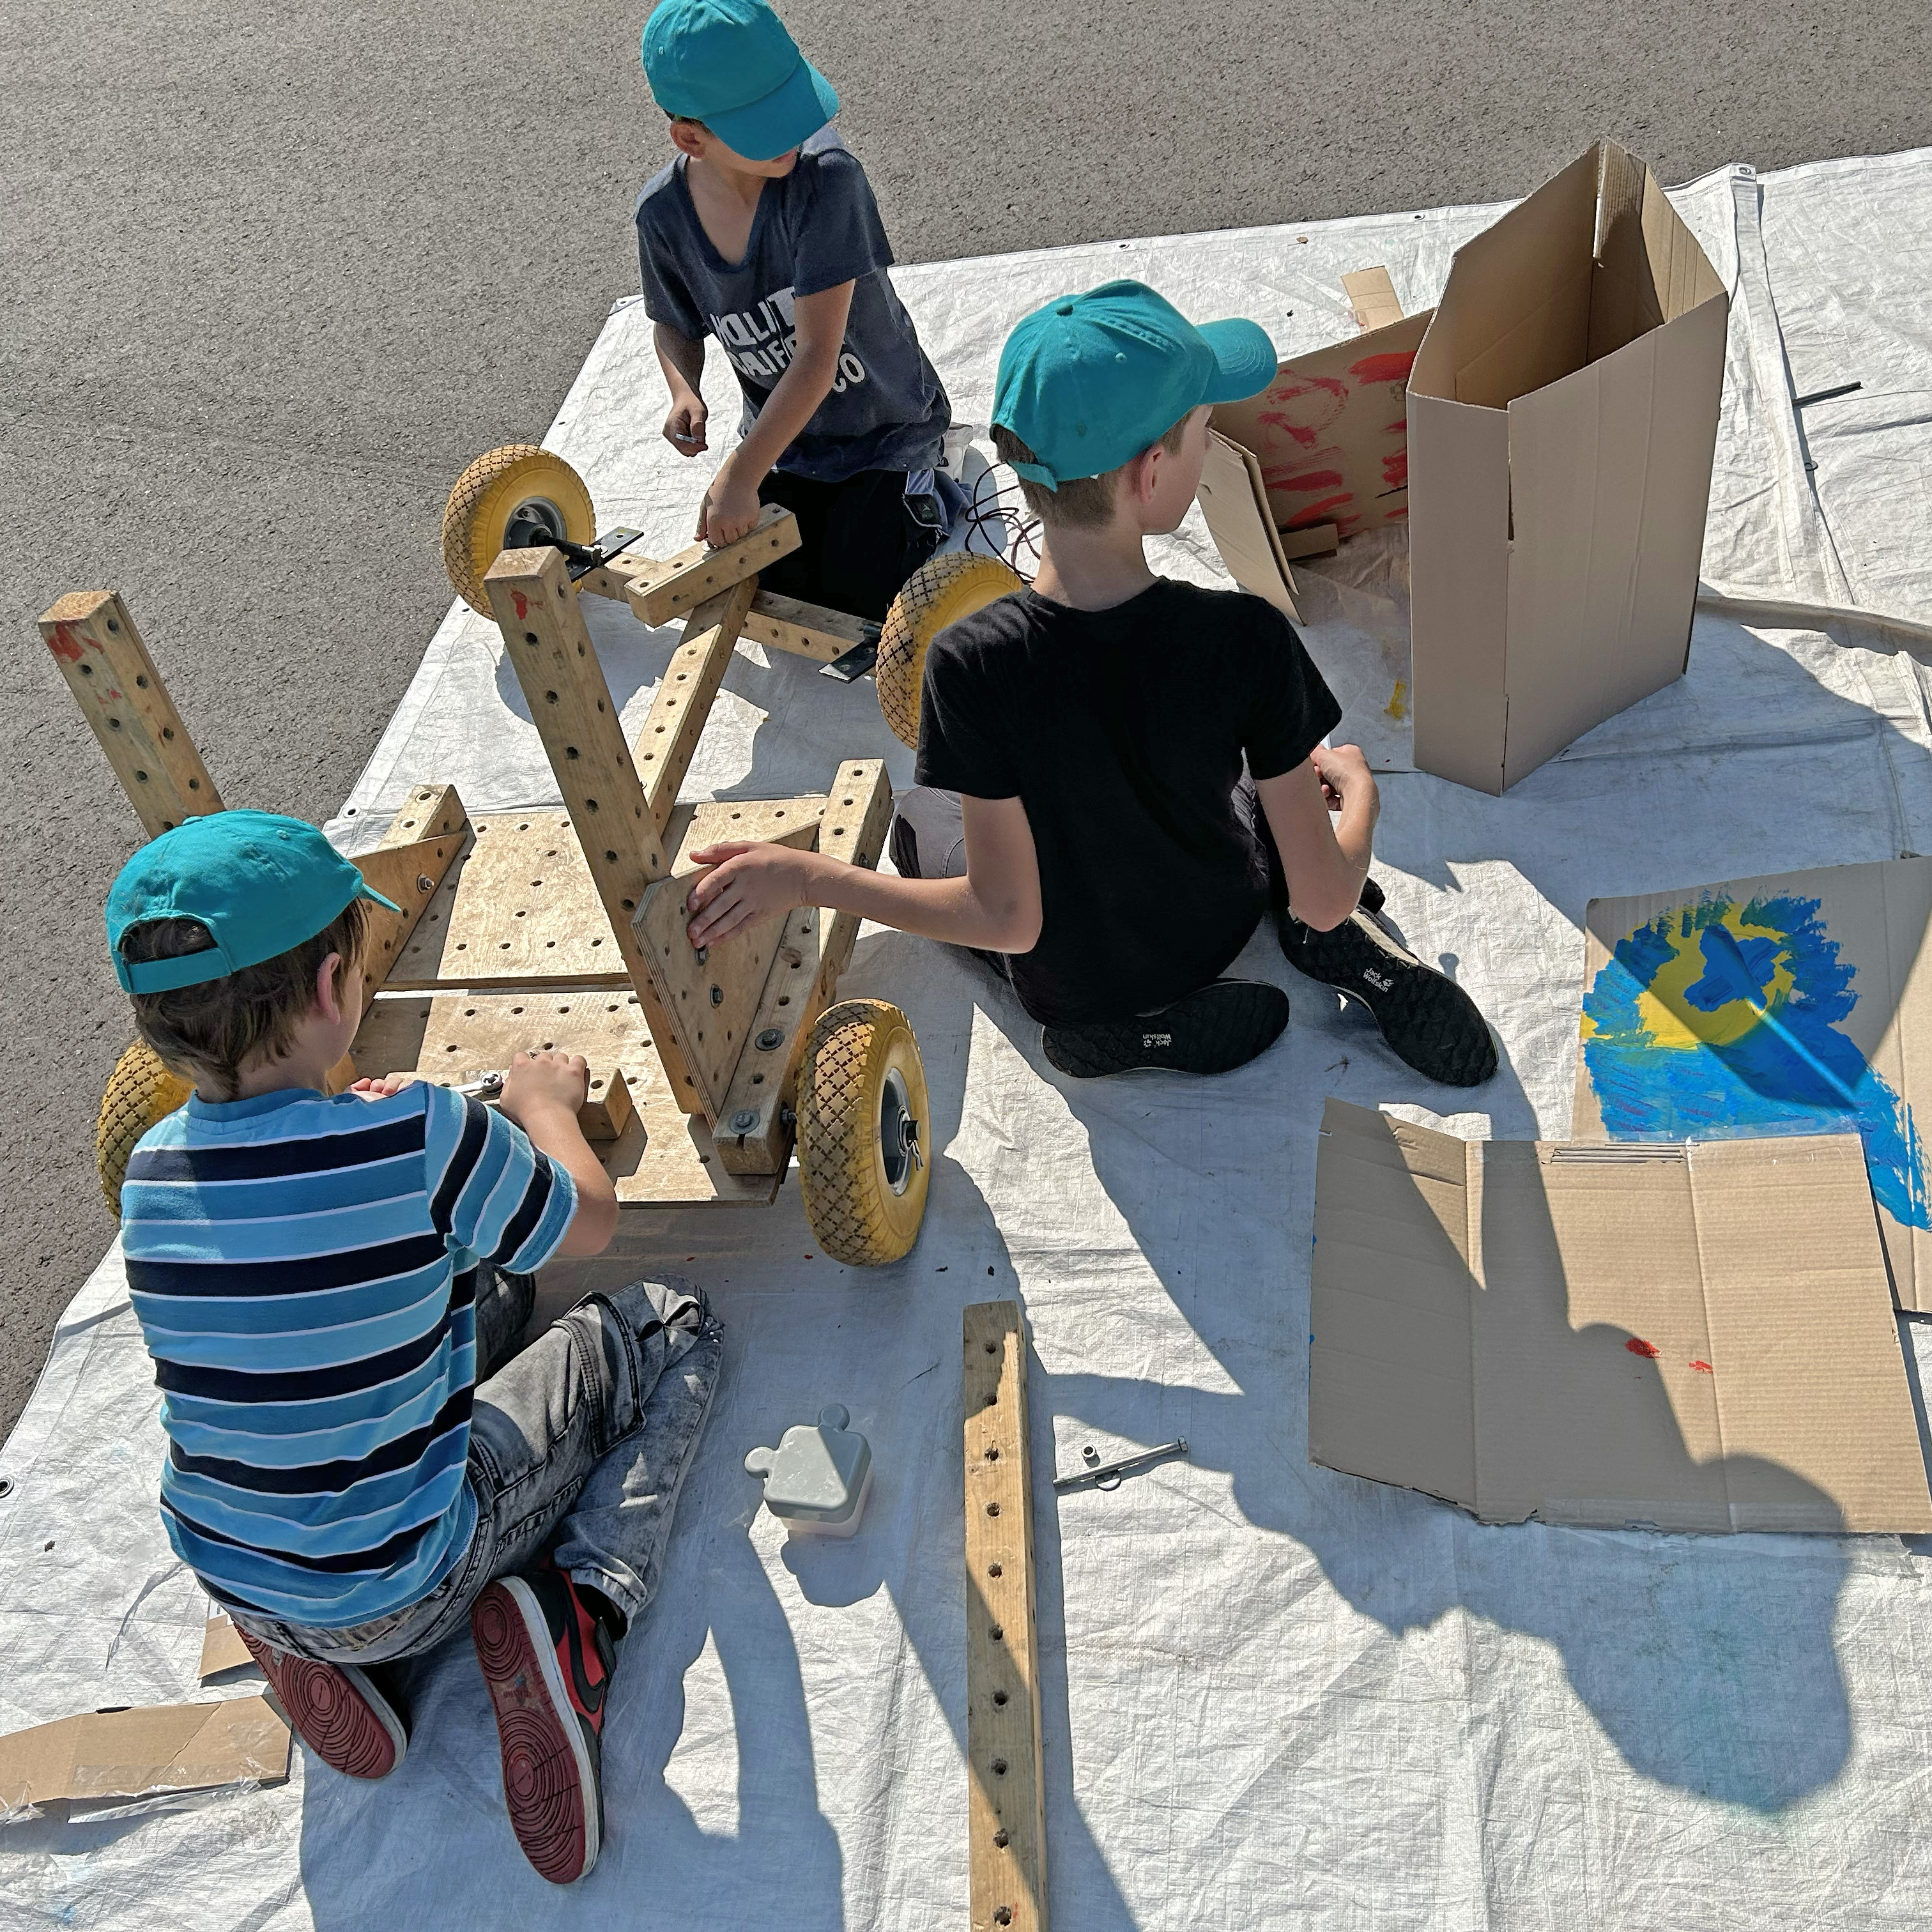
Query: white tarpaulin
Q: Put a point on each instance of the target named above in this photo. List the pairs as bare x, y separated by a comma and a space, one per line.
1274, 1695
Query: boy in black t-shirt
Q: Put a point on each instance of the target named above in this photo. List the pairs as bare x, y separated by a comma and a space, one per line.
1138, 764
763, 232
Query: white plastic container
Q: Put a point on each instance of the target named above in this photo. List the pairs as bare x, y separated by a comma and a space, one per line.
818, 1477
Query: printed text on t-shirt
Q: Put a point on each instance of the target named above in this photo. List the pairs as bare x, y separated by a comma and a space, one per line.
759, 341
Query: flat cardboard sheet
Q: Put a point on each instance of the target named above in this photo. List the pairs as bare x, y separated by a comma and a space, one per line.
139, 1753
222, 1649
1562, 416
1236, 510
1273, 1693
1680, 1337
1796, 1003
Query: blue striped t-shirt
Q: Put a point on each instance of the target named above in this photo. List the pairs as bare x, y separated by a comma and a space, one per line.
304, 1271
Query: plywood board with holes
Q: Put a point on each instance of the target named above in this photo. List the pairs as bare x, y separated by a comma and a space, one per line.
776, 821
662, 1157
1006, 1791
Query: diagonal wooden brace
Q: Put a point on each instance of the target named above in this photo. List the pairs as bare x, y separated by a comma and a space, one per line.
669, 740
121, 694
545, 636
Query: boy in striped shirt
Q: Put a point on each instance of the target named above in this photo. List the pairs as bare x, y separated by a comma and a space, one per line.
332, 1287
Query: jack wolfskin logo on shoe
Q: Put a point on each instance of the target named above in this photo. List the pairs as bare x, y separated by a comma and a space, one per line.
1381, 984
1148, 1040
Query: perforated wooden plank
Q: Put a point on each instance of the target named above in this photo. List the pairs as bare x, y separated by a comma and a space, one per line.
662, 1157
681, 582
813, 950
806, 630
1006, 1791
98, 651
682, 701
548, 645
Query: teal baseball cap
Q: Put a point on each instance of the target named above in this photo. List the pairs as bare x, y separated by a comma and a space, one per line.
732, 64
1090, 381
261, 884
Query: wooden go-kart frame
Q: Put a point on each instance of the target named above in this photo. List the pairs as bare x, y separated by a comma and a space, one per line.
543, 927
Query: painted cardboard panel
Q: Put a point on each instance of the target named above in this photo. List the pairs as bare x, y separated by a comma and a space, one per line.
1563, 414
1330, 432
1689, 1337
1795, 1003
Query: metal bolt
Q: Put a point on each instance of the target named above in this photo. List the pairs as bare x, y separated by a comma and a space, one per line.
770, 1040
424, 884
717, 996
744, 1120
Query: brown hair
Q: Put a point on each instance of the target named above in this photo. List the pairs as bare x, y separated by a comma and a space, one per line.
1082, 502
208, 1032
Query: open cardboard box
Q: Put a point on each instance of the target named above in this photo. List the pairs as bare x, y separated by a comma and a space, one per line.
1796, 1003
1562, 413
1678, 1337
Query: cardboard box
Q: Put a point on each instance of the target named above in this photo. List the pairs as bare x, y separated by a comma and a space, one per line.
1330, 434
1797, 1002
1687, 1338
1562, 414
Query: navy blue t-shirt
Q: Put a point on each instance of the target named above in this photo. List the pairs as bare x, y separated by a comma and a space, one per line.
817, 228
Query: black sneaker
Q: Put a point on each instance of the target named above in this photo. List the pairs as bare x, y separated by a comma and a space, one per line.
1427, 1019
1221, 1027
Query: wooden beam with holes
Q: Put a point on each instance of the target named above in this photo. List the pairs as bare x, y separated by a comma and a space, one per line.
669, 740
663, 591
1006, 1790
409, 866
806, 630
545, 638
94, 641
753, 1133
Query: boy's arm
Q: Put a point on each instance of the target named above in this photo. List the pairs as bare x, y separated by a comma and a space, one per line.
730, 505
541, 1093
1326, 859
995, 907
682, 361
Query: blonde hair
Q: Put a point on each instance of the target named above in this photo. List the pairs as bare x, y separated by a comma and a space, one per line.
1082, 502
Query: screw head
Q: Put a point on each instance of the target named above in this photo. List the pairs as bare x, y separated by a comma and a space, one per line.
744, 1120
717, 996
770, 1040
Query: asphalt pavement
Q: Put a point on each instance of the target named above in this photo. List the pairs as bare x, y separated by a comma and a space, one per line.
271, 275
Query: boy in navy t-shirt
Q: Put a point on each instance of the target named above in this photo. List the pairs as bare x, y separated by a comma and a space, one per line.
764, 232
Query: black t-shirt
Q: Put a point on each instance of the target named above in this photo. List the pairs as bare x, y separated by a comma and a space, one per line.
1123, 732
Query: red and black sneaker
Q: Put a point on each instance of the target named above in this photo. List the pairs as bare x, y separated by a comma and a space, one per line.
335, 1709
547, 1661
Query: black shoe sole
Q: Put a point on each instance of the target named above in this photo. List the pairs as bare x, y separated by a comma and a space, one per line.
1428, 1020
1214, 1030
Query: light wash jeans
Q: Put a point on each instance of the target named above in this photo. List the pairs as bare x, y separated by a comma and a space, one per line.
578, 1447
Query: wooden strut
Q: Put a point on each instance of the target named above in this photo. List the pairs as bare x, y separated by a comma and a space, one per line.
1006, 1791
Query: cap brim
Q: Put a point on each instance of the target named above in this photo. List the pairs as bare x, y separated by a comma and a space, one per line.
1244, 360
369, 891
777, 122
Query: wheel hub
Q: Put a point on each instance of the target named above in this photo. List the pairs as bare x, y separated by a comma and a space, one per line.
534, 522
898, 1134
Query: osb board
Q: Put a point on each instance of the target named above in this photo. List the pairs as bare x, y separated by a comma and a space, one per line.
664, 1159
518, 905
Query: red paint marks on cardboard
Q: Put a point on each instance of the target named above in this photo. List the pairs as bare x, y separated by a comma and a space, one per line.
64, 644
1324, 512
1640, 1348
1704, 1368
523, 604
1393, 368
1302, 409
1303, 480
1395, 469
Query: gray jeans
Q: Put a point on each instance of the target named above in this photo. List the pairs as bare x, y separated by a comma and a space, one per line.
578, 1447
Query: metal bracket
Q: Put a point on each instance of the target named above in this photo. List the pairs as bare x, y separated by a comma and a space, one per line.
1101, 1475
857, 662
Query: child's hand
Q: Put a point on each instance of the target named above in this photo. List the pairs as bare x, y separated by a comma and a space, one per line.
1344, 772
748, 882
684, 428
382, 1086
729, 511
537, 1080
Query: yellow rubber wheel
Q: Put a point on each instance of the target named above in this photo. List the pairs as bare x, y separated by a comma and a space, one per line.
140, 1091
508, 499
941, 591
862, 1112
